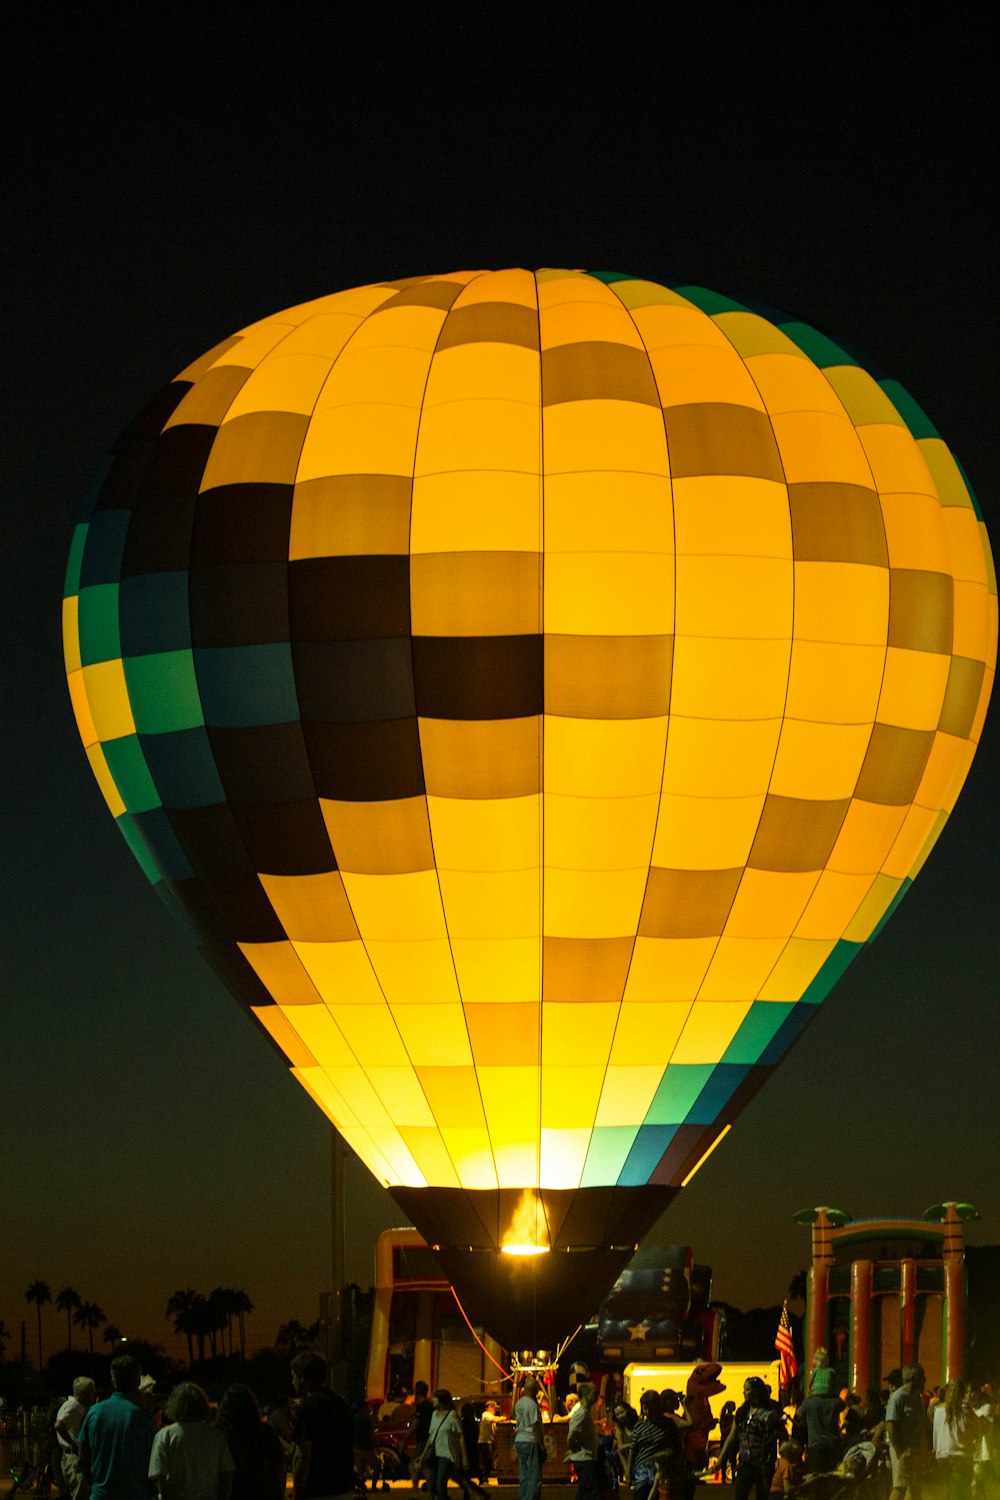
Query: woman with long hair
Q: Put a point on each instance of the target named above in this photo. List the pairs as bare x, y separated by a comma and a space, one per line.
955, 1435
254, 1445
445, 1442
190, 1459
650, 1436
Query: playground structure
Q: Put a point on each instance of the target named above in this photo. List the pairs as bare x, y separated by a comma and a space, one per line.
418, 1329
888, 1292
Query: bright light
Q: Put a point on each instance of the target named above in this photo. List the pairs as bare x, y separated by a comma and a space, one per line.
524, 1249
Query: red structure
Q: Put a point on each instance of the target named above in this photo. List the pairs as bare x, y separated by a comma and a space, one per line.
886, 1292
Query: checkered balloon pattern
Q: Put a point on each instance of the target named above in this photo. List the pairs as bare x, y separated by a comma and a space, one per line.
535, 688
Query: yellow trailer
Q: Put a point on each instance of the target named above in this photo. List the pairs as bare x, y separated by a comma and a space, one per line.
662, 1377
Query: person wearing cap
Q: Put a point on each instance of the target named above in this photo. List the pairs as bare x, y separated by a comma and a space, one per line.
757, 1429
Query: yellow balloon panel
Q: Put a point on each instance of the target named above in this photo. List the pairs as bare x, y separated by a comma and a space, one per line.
540, 685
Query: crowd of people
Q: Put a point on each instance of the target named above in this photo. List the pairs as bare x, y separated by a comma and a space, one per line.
825, 1443
141, 1441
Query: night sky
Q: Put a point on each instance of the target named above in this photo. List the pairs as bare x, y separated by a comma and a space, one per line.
168, 189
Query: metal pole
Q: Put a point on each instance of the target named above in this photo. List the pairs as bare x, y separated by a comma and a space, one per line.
337, 1248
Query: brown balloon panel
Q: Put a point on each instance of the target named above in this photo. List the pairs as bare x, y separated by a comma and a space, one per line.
533, 1300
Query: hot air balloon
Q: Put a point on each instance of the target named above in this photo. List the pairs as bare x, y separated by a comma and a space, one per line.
536, 689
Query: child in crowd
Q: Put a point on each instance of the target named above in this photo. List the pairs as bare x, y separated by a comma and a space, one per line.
789, 1472
821, 1378
667, 1475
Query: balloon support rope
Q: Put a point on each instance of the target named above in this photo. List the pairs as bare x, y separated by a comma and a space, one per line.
478, 1340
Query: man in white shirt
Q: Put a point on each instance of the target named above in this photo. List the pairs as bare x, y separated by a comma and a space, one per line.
69, 1420
529, 1442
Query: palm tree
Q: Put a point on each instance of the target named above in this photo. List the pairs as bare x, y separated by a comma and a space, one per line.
4, 1336
88, 1315
68, 1301
797, 1286
179, 1308
219, 1317
38, 1292
199, 1319
291, 1336
111, 1334
241, 1306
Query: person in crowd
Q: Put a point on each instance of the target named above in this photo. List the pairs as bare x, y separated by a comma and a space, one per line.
669, 1476
822, 1379
989, 1439
323, 1435
650, 1436
725, 1427
69, 1420
788, 1471
281, 1418
674, 1408
487, 1439
955, 1433
420, 1425
529, 1441
758, 1427
51, 1450
817, 1423
445, 1442
906, 1429
581, 1442
366, 1463
702, 1384
404, 1404
625, 1419
852, 1419
116, 1437
612, 1389
873, 1411
256, 1448
190, 1459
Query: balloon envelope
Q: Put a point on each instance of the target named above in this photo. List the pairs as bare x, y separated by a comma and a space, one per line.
536, 688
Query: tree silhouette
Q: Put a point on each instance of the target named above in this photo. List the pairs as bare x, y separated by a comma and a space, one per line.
4, 1336
179, 1307
88, 1315
68, 1301
241, 1307
293, 1336
198, 1320
111, 1334
218, 1318
797, 1286
231, 1303
38, 1292
290, 1336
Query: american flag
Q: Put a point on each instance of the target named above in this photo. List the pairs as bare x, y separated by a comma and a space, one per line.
786, 1350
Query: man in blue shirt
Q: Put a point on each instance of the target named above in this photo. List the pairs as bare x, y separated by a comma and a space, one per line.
116, 1438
